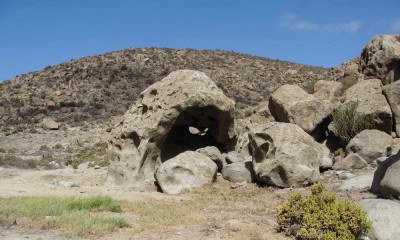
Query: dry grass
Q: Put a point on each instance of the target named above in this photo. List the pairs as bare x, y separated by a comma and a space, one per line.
208, 210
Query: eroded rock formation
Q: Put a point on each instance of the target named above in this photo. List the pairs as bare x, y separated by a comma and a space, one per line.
184, 111
380, 58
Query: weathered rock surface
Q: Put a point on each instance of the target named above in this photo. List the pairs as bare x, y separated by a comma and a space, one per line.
214, 154
328, 90
49, 124
381, 171
352, 161
359, 183
187, 171
380, 58
390, 184
234, 157
392, 93
371, 144
371, 102
385, 217
239, 172
290, 103
261, 114
156, 127
285, 156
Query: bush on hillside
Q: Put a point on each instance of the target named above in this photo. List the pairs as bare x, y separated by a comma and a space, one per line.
322, 216
348, 122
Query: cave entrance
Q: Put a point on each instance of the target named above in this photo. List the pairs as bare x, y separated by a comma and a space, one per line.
195, 128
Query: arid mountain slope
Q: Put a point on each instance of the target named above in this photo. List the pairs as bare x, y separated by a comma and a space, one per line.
100, 86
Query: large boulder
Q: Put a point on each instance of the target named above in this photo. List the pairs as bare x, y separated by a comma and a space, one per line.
187, 171
380, 58
392, 93
385, 217
371, 144
386, 180
239, 172
292, 104
184, 111
371, 102
286, 156
328, 90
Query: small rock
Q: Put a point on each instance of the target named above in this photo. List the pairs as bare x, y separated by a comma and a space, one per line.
239, 172
96, 167
352, 161
65, 184
345, 176
49, 124
234, 157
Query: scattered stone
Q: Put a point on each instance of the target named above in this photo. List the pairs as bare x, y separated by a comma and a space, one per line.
156, 127
214, 154
96, 167
359, 183
49, 124
371, 144
380, 58
286, 156
371, 102
187, 171
64, 183
234, 157
291, 104
345, 176
239, 172
352, 161
385, 217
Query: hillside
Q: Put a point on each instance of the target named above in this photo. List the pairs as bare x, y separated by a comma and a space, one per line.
98, 87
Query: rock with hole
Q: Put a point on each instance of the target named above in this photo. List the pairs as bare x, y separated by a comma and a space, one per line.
184, 111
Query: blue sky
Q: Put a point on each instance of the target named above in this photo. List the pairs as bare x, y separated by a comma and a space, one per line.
38, 33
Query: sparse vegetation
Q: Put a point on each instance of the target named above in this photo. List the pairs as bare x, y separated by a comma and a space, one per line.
97, 88
348, 122
78, 217
322, 216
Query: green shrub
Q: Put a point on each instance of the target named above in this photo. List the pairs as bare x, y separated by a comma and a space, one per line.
322, 216
348, 122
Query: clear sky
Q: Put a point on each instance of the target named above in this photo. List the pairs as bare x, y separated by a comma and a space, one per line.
38, 33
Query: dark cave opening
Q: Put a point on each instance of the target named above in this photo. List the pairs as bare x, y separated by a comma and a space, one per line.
195, 128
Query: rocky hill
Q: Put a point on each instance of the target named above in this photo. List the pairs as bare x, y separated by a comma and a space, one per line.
100, 86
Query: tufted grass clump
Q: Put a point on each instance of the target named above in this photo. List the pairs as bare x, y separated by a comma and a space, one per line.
348, 122
77, 217
322, 216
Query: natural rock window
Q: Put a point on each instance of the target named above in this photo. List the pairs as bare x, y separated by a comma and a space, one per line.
195, 128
